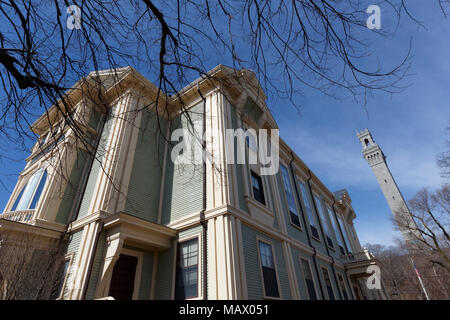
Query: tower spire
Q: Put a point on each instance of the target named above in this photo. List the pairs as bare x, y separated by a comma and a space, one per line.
377, 161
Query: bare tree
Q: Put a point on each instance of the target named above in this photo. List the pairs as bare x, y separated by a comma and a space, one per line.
431, 212
399, 277
46, 46
443, 159
30, 269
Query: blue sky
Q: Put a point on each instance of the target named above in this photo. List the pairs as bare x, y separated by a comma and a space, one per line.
408, 126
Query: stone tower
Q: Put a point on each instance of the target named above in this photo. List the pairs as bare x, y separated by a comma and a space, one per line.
377, 160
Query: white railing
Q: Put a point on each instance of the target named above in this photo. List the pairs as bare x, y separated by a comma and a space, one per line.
23, 216
358, 256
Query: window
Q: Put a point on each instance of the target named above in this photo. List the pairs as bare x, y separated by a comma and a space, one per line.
352, 231
325, 225
186, 283
309, 212
251, 139
41, 140
268, 270
342, 286
62, 276
30, 194
344, 232
327, 280
307, 274
336, 230
290, 197
258, 191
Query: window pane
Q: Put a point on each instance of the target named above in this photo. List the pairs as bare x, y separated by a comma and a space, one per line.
187, 270
344, 232
270, 282
307, 203
290, 195
268, 269
309, 280
266, 255
38, 192
17, 200
328, 285
322, 216
258, 191
335, 227
29, 190
342, 285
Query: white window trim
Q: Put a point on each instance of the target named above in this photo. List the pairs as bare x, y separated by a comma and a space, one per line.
270, 243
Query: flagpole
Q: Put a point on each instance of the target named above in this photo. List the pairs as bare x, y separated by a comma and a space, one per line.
420, 278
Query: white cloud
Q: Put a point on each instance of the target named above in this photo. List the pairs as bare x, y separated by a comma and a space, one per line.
340, 163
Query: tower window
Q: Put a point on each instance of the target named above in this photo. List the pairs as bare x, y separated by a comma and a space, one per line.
385, 181
366, 141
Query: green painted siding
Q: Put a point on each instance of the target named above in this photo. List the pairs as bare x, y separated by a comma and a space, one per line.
96, 166
165, 273
73, 247
72, 186
145, 181
252, 267
96, 266
146, 276
183, 189
299, 274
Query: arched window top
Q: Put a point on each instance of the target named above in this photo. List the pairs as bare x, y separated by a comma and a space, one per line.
31, 192
367, 142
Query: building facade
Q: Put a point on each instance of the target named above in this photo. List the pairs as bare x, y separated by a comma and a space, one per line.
138, 225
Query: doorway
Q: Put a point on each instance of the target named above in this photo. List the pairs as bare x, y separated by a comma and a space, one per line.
123, 277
